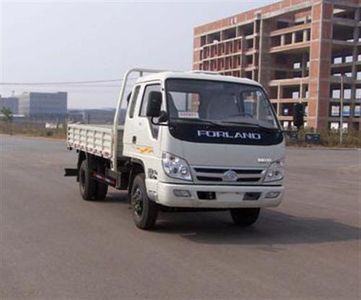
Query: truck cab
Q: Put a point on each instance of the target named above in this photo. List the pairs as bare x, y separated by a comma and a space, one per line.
192, 140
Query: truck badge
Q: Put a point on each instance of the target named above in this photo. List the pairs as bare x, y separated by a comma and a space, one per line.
230, 175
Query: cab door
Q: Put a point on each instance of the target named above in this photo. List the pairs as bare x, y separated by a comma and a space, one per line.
141, 136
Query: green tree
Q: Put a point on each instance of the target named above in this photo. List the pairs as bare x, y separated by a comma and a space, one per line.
7, 116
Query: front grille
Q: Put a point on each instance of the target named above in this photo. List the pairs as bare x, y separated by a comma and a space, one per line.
243, 176
221, 170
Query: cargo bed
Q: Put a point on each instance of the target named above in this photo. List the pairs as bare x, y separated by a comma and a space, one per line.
94, 139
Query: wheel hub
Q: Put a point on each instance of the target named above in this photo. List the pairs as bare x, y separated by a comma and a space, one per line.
137, 201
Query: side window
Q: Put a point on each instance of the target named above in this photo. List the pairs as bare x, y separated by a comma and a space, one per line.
148, 89
133, 101
143, 110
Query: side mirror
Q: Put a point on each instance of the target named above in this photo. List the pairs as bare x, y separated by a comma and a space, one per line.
154, 104
163, 117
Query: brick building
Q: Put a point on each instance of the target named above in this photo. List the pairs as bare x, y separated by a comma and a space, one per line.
300, 50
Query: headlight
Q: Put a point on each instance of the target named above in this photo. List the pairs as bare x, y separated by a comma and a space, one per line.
275, 172
176, 167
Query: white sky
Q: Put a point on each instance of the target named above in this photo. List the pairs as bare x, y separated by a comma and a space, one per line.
47, 41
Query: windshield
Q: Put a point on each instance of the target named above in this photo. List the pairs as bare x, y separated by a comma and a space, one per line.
224, 103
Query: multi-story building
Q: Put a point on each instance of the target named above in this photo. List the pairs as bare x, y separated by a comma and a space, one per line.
43, 104
301, 50
11, 103
94, 116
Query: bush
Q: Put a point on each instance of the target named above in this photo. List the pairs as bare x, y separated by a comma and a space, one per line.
329, 138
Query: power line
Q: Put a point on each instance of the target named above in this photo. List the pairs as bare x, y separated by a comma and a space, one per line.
85, 82
62, 82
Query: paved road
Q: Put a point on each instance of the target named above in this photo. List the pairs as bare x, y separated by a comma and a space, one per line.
53, 245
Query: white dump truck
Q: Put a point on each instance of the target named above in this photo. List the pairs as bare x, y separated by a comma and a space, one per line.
184, 141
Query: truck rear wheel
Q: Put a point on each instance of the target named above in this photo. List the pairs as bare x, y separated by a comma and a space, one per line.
87, 185
244, 216
90, 189
101, 191
145, 211
101, 188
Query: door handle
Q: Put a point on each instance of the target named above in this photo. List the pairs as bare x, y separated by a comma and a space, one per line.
134, 139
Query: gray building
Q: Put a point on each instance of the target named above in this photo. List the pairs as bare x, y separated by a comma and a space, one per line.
11, 103
94, 116
36, 104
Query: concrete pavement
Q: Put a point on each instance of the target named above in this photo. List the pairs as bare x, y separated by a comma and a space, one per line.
53, 245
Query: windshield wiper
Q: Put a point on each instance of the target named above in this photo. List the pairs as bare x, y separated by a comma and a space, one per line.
247, 124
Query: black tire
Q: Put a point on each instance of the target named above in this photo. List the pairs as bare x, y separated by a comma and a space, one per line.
87, 185
101, 191
245, 216
101, 188
144, 210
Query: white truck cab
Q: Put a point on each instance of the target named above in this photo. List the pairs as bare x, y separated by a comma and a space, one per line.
188, 140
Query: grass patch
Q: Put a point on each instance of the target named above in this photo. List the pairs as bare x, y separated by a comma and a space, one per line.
32, 129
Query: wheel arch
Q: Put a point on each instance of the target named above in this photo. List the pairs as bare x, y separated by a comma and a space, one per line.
137, 167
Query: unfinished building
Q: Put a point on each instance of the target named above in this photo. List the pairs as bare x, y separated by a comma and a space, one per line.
301, 50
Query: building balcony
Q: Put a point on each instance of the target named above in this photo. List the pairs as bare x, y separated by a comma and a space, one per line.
290, 29
344, 22
340, 44
289, 81
289, 100
291, 48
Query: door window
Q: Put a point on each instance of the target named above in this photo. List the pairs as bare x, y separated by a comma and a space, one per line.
148, 89
143, 109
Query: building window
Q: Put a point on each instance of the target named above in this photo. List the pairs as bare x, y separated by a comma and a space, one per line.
346, 112
297, 65
336, 126
348, 59
336, 94
347, 94
335, 110
358, 93
357, 111
295, 95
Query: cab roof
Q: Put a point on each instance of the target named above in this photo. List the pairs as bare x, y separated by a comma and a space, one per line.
200, 75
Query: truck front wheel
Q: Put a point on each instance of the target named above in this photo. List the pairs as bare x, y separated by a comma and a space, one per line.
245, 216
145, 211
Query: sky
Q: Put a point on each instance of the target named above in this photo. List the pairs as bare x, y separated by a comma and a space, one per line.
66, 41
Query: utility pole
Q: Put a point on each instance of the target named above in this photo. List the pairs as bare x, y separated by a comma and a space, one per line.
341, 109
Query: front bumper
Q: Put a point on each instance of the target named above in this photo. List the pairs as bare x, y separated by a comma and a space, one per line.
225, 196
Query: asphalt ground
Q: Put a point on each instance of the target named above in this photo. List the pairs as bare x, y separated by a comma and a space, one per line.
53, 245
